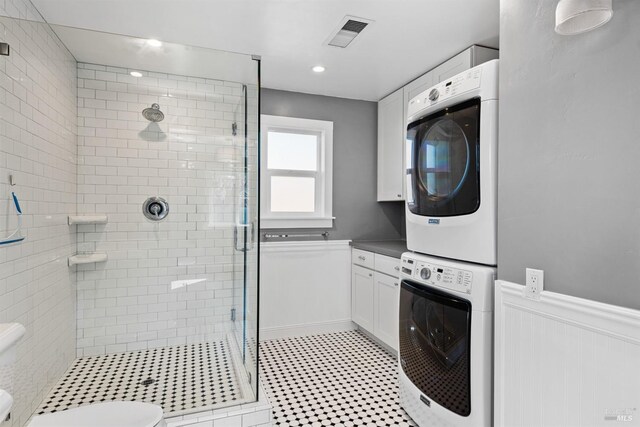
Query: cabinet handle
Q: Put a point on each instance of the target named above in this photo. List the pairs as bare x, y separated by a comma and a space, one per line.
361, 258
396, 268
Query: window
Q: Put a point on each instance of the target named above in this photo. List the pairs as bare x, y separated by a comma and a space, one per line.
296, 185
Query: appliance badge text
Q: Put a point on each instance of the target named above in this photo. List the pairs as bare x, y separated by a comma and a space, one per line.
434, 220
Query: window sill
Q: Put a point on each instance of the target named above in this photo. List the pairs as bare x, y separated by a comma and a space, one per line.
266, 223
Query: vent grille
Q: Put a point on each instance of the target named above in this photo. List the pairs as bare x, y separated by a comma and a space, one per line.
347, 32
355, 26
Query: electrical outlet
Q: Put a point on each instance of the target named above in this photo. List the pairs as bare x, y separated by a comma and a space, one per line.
534, 283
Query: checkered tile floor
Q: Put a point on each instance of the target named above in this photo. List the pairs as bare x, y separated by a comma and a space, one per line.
339, 379
177, 378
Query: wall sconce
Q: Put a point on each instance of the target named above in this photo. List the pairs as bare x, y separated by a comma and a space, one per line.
579, 16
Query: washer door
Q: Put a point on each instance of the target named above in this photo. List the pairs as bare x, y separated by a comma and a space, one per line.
435, 337
443, 151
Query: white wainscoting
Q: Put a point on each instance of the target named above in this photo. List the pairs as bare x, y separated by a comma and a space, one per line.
565, 361
305, 288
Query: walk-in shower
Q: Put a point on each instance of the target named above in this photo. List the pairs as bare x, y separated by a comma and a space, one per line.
141, 163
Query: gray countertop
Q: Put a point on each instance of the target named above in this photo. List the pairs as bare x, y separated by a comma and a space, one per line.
392, 248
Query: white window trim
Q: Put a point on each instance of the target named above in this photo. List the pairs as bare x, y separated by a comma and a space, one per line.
324, 195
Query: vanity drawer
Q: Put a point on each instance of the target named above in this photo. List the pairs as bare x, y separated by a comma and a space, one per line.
387, 265
362, 258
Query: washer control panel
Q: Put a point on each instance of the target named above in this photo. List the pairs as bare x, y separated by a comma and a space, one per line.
438, 275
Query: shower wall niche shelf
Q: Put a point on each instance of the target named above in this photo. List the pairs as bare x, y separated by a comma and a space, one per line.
87, 258
87, 219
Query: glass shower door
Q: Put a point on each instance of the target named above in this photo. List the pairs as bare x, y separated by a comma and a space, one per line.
245, 274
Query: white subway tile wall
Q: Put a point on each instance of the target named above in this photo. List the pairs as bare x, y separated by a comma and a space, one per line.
38, 125
169, 282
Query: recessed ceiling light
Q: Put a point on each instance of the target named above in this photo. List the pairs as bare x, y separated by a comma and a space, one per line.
154, 42
136, 74
318, 69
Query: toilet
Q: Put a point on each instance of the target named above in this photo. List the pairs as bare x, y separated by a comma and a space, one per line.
106, 414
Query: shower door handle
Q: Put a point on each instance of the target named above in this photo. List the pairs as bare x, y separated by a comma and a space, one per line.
239, 242
251, 237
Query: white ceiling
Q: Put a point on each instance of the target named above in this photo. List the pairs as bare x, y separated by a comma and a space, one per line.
407, 38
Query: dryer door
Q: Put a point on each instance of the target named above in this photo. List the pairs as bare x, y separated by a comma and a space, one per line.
443, 161
435, 337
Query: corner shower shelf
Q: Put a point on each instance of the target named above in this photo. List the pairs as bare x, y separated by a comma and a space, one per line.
87, 258
87, 219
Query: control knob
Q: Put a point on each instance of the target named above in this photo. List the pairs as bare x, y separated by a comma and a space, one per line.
434, 94
425, 273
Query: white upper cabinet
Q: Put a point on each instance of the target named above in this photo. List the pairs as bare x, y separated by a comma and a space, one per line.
392, 118
466, 59
455, 65
390, 134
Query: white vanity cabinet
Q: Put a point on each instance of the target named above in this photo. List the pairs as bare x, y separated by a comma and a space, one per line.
385, 310
375, 288
362, 296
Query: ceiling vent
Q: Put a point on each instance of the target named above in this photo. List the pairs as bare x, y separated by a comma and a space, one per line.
348, 30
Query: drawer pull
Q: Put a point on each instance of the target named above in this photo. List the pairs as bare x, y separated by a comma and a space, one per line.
361, 258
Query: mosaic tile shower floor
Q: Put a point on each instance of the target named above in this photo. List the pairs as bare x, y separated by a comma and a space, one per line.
177, 378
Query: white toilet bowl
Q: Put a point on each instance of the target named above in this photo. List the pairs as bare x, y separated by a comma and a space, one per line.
107, 414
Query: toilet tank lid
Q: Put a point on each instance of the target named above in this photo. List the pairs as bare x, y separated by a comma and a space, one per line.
107, 414
10, 333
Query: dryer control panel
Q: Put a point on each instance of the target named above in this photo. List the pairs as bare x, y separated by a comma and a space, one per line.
461, 83
438, 275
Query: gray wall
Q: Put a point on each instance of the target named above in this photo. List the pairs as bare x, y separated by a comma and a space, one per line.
358, 214
569, 192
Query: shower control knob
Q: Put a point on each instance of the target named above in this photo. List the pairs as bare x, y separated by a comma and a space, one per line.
425, 273
155, 208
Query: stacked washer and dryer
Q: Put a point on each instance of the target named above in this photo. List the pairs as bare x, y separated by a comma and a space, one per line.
446, 296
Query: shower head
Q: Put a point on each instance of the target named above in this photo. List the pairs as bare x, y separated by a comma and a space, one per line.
153, 114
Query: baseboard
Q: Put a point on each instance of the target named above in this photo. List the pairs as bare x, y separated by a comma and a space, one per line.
306, 329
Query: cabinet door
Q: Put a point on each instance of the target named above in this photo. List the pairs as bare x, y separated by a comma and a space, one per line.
390, 147
453, 66
386, 309
362, 297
